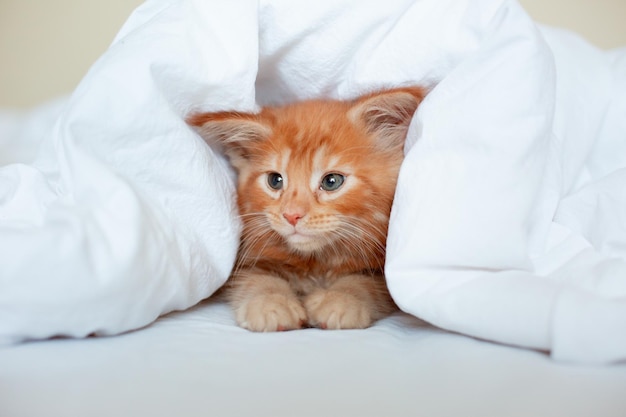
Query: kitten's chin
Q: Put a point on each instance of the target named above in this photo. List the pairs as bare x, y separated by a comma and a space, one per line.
304, 243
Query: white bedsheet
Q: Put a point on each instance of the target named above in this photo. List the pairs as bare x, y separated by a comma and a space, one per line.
199, 363
510, 217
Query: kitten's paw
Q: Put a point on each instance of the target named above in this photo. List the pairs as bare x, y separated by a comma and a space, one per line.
332, 309
270, 313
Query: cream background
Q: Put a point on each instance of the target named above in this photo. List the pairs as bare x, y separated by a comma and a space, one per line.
46, 46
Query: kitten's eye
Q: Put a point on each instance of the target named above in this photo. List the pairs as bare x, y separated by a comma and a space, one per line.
332, 182
275, 180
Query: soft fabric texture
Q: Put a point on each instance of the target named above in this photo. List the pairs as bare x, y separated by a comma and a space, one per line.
199, 363
509, 218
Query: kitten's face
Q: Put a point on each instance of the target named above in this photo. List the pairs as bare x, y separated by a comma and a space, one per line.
317, 179
300, 195
318, 174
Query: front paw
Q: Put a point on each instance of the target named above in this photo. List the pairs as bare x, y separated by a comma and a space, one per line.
270, 313
333, 309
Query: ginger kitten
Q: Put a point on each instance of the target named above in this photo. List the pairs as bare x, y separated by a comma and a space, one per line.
316, 180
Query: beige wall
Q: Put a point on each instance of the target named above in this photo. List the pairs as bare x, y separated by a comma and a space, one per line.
603, 22
46, 46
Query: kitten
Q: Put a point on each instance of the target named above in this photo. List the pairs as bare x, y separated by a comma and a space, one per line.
316, 180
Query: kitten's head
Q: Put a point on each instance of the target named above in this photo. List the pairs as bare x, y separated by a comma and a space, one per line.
316, 173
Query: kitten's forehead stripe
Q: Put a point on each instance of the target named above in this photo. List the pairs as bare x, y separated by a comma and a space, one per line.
285, 158
317, 168
318, 157
334, 161
273, 163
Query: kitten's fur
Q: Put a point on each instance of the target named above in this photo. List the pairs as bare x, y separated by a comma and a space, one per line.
310, 253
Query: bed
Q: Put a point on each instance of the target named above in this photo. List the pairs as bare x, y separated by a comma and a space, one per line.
507, 240
199, 363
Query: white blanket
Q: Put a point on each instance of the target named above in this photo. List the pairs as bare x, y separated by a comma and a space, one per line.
509, 222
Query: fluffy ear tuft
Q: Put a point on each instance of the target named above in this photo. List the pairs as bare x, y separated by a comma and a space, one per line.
233, 131
387, 114
229, 127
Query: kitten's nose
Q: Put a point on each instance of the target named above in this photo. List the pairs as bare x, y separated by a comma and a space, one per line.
292, 218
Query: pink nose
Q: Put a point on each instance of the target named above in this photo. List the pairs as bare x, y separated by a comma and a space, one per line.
292, 218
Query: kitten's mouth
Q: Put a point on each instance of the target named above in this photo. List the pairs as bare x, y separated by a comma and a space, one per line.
303, 242
299, 237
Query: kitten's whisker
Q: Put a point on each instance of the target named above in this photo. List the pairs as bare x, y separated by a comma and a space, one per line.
365, 228
352, 241
366, 241
255, 230
330, 243
260, 253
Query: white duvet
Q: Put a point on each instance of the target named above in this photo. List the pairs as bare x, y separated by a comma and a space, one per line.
509, 222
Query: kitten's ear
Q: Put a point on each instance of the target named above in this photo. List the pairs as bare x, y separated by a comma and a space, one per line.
232, 131
387, 114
